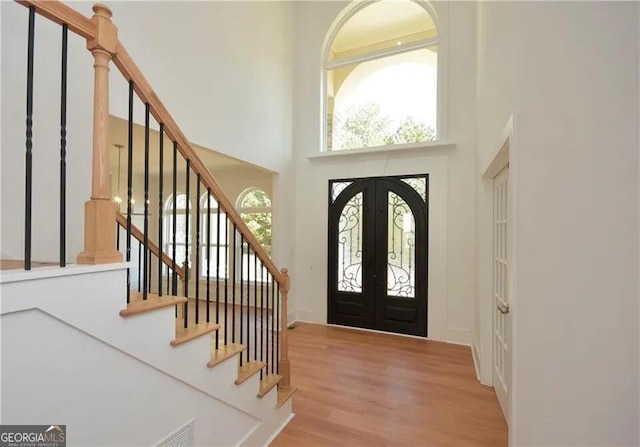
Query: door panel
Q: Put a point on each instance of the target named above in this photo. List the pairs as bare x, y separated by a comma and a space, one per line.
349, 251
401, 289
501, 318
378, 254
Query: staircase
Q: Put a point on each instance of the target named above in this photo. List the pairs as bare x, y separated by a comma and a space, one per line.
176, 338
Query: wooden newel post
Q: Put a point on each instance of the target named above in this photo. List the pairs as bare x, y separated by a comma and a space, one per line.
100, 211
285, 366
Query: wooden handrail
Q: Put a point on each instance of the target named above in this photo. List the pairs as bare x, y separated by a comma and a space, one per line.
60, 13
131, 72
139, 235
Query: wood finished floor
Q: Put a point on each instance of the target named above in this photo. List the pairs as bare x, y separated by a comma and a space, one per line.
359, 388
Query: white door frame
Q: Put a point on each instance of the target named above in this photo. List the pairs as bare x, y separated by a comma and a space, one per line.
505, 155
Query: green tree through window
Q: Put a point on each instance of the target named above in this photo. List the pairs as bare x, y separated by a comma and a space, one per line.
255, 210
367, 126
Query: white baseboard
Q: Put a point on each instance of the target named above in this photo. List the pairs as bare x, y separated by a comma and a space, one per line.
291, 317
476, 357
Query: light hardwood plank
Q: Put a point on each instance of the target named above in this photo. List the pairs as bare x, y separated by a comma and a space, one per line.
192, 332
268, 383
248, 369
359, 388
285, 394
137, 305
223, 352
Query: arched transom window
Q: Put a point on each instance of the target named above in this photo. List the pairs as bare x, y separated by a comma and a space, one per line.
381, 76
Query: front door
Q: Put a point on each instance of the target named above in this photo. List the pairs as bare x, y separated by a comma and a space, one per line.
377, 275
501, 317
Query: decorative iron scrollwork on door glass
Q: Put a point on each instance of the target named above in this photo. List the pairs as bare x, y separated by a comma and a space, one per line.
337, 188
401, 238
419, 184
350, 246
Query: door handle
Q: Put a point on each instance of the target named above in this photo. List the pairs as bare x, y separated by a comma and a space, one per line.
503, 308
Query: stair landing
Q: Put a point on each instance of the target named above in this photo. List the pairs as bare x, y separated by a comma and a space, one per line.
17, 264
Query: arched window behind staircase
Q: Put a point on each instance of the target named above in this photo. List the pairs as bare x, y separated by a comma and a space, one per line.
254, 206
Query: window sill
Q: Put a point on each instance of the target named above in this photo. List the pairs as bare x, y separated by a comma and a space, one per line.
432, 147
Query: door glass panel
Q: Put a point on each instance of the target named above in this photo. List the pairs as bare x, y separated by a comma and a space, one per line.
419, 184
401, 265
350, 246
337, 188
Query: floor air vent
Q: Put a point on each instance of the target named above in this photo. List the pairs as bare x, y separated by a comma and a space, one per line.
182, 437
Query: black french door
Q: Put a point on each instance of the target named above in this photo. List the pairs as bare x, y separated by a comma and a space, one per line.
377, 275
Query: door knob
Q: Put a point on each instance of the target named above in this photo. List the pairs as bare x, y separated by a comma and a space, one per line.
503, 308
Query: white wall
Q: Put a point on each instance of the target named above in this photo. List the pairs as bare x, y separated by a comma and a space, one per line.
570, 71
451, 227
228, 85
46, 136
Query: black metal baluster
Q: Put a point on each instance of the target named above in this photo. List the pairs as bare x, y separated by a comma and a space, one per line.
145, 286
209, 259
273, 324
117, 236
233, 288
279, 328
226, 279
197, 218
242, 296
248, 300
63, 152
129, 186
186, 250
266, 347
217, 264
139, 265
160, 208
255, 304
149, 264
29, 141
261, 313
174, 275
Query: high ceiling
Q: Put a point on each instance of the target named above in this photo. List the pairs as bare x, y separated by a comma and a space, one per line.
382, 21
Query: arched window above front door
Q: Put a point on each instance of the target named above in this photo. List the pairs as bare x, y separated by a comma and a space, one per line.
381, 76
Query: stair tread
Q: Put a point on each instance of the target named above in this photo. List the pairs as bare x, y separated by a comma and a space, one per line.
153, 302
223, 352
285, 394
248, 369
268, 383
192, 332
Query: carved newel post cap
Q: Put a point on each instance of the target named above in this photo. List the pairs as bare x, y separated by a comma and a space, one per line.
102, 10
285, 272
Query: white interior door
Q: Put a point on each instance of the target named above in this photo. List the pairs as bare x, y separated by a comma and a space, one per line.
502, 318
